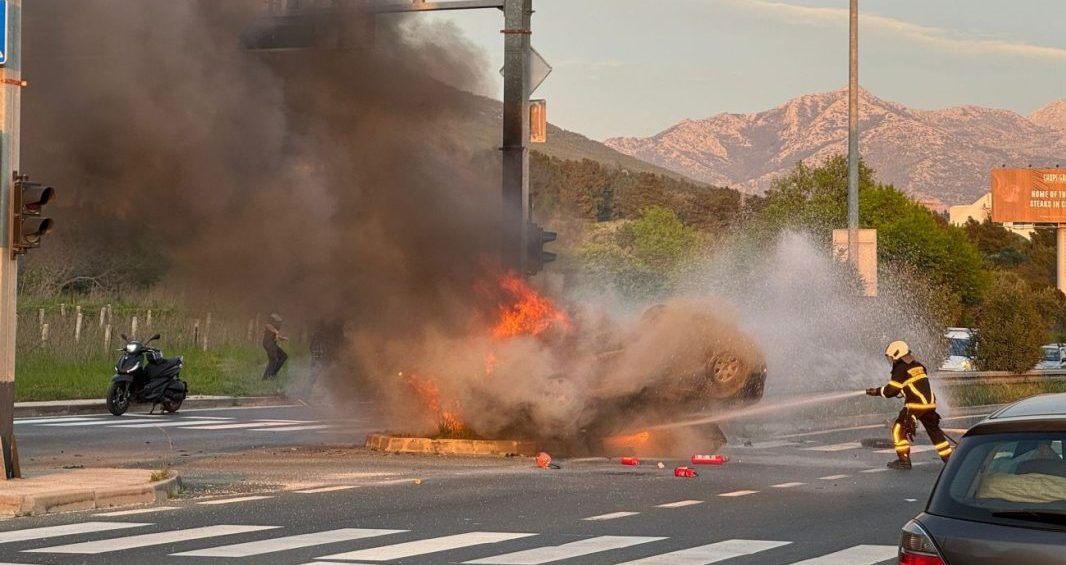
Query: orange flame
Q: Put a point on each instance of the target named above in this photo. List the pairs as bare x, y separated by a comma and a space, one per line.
428, 392
529, 314
633, 441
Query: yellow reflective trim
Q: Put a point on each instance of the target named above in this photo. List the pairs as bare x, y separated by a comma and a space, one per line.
917, 406
943, 451
919, 394
903, 449
913, 380
943, 444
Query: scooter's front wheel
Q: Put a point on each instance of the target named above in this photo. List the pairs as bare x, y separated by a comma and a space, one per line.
118, 398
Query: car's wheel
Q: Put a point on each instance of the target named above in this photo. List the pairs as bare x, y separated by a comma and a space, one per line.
118, 398
728, 374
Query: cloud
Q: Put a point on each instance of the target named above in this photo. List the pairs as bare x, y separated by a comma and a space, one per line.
939, 38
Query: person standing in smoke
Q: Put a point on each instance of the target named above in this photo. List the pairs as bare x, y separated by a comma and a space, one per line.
275, 356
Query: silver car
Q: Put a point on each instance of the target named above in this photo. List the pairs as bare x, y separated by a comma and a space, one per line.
1002, 497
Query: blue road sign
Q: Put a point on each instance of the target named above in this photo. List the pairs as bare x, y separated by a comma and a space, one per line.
3, 32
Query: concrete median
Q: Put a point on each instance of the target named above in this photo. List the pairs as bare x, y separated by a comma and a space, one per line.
85, 489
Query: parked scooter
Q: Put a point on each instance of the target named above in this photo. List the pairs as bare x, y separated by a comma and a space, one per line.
142, 374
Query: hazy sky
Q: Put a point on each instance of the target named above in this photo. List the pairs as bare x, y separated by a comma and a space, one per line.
635, 67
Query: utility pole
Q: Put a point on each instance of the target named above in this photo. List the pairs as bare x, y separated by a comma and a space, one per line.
10, 113
853, 135
516, 72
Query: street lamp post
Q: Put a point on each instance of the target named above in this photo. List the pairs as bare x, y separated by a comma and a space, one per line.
853, 135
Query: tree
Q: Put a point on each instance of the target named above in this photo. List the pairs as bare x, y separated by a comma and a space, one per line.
1010, 327
814, 200
641, 258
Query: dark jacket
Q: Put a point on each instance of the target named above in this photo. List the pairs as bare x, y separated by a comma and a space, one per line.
912, 380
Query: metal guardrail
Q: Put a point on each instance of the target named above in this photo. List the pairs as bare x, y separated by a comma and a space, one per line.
962, 378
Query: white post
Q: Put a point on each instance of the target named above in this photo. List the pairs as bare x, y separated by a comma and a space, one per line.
207, 330
77, 327
133, 328
40, 316
44, 333
62, 309
107, 338
148, 321
103, 315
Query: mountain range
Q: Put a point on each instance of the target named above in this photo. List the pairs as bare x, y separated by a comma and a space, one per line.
940, 156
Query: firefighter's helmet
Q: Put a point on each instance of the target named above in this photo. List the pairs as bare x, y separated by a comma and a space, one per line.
896, 350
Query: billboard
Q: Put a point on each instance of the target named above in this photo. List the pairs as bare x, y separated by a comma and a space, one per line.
1029, 196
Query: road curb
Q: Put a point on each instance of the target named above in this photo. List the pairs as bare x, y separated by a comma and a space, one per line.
93, 406
469, 447
73, 500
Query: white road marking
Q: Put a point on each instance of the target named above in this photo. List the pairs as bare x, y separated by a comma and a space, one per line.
789, 485
239, 426
833, 477
572, 550
680, 504
146, 540
325, 489
426, 546
739, 493
52, 420
174, 424
68, 530
233, 500
835, 447
875, 470
99, 423
288, 542
293, 428
914, 449
712, 553
137, 511
611, 516
858, 555
911, 499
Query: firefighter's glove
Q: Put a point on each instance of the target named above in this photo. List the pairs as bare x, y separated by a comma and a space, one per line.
873, 392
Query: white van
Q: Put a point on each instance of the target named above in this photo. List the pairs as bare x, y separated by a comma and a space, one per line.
960, 349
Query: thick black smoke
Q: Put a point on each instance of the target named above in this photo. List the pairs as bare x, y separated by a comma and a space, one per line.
325, 182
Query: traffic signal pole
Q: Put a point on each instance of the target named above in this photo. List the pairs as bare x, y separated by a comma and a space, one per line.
10, 112
516, 84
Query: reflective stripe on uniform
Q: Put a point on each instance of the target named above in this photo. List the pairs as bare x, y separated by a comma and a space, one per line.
894, 384
919, 406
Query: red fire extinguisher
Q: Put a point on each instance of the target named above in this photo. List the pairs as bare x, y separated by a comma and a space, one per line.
709, 459
631, 461
685, 472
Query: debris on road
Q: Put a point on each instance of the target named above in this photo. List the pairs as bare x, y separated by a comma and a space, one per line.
709, 459
631, 461
685, 472
661, 466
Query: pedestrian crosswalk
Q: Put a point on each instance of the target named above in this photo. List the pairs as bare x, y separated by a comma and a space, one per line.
243, 543
179, 423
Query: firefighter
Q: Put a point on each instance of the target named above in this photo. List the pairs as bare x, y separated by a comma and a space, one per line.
910, 379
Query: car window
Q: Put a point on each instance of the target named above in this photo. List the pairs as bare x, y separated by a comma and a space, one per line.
959, 347
1006, 478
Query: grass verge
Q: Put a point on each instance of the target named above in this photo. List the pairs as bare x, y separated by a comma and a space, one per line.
227, 371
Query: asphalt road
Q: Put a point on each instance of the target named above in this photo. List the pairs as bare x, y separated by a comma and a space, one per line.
817, 499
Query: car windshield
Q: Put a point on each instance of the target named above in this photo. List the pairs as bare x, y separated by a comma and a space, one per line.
959, 347
1011, 479
1051, 354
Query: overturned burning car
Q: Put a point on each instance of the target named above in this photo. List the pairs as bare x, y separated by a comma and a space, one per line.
577, 382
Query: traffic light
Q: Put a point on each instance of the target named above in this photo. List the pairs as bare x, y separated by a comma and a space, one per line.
28, 226
536, 256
